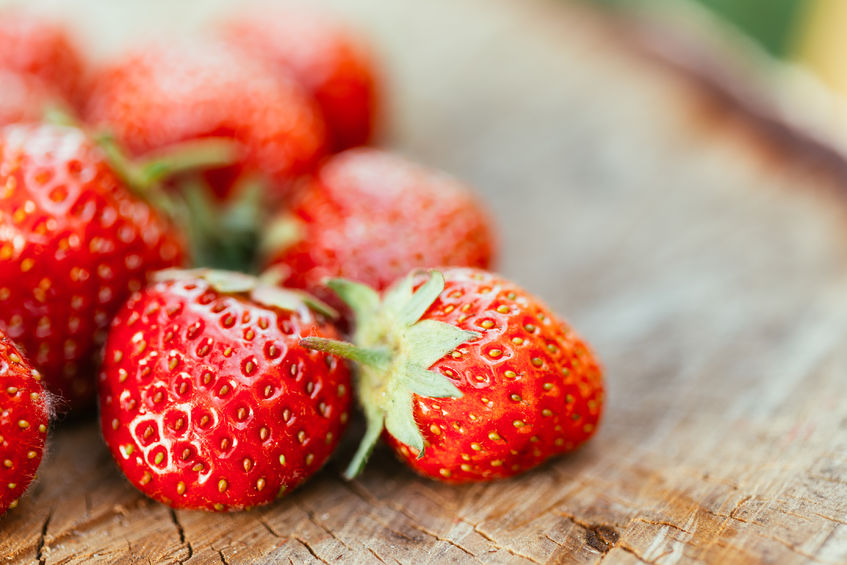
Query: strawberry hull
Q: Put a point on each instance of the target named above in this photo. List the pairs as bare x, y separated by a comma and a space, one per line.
466, 375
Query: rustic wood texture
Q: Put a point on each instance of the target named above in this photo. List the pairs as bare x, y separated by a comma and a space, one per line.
702, 253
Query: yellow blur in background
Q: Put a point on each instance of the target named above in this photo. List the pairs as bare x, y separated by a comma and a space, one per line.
821, 42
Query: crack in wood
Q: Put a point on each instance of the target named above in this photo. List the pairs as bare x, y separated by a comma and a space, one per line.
662, 523
634, 553
270, 530
831, 518
308, 547
738, 506
39, 550
222, 557
181, 532
375, 554
497, 544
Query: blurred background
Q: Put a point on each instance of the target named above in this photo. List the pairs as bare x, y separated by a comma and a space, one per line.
808, 32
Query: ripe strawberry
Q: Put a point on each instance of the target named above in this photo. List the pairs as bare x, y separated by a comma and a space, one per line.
74, 243
472, 378
326, 57
23, 423
41, 48
207, 399
371, 216
178, 92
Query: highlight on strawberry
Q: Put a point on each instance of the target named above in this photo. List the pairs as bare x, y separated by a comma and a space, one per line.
208, 400
24, 417
466, 375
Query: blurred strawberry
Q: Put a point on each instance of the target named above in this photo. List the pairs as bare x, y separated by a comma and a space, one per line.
327, 57
40, 47
165, 94
371, 216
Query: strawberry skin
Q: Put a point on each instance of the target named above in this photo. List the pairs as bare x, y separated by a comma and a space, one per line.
74, 243
472, 378
327, 58
209, 402
166, 94
42, 48
23, 423
371, 216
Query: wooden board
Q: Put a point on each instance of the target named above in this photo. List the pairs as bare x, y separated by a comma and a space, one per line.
703, 254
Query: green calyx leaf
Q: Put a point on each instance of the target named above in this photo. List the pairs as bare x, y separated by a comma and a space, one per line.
362, 299
429, 383
394, 349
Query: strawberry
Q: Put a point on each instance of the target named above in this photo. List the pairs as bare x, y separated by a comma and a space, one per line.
371, 216
207, 399
24, 415
74, 243
41, 48
326, 57
472, 378
165, 94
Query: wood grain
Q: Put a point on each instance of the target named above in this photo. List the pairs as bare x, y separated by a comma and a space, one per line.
704, 255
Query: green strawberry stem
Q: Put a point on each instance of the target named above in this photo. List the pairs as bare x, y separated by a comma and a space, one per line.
393, 349
134, 177
375, 358
197, 154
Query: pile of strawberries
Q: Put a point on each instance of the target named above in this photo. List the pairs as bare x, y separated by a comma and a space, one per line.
136, 198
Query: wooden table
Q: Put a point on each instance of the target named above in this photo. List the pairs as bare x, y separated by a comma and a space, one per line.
702, 252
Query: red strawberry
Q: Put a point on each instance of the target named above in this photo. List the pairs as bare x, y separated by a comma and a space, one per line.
207, 399
23, 423
74, 243
371, 216
166, 94
331, 61
32, 45
472, 378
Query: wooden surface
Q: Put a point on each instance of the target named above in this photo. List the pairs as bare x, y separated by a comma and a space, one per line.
702, 253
